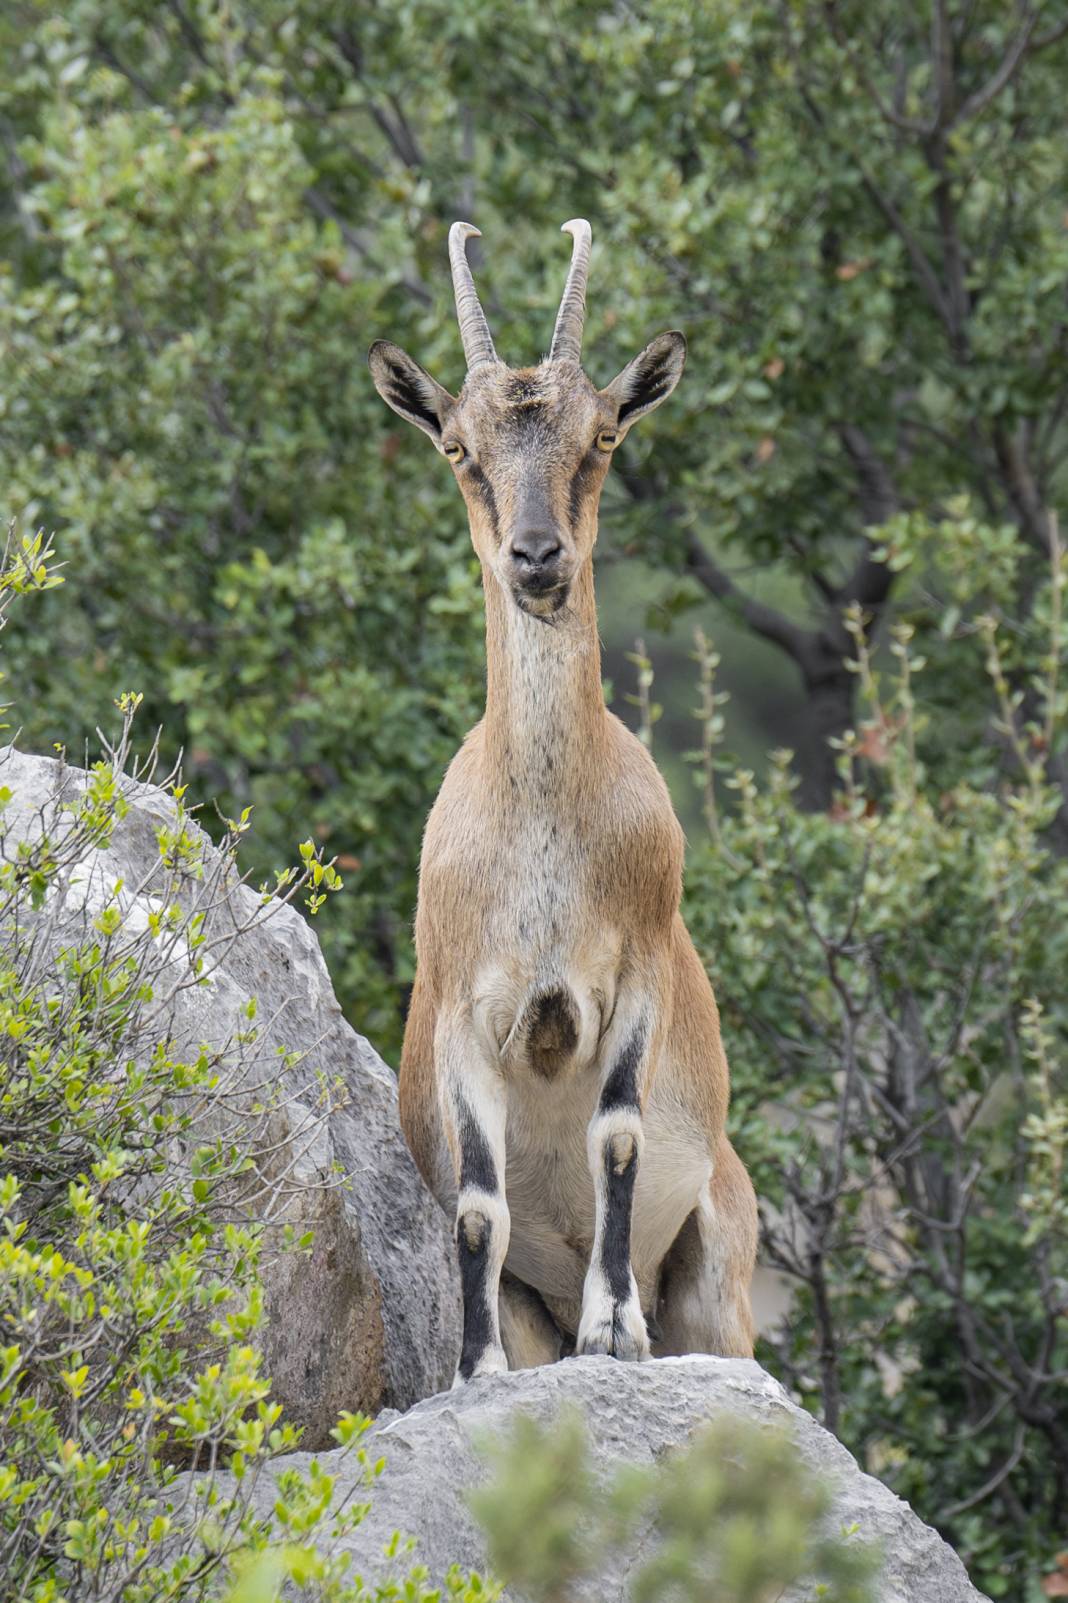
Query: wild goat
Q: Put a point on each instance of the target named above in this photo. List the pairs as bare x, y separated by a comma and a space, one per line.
563, 1087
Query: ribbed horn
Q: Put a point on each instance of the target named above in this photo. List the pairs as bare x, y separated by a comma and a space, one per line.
567, 335
474, 330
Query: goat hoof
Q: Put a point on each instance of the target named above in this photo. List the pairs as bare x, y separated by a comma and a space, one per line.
491, 1362
617, 1332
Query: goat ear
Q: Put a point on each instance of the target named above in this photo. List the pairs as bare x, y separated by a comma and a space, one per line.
409, 389
648, 380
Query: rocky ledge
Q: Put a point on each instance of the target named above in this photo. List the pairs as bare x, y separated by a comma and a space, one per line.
634, 1413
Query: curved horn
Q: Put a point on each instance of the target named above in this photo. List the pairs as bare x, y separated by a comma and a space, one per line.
474, 330
567, 335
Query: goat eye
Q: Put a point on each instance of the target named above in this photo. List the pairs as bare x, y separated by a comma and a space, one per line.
454, 451
607, 440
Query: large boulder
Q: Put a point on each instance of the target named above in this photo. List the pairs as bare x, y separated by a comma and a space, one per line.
371, 1319
634, 1414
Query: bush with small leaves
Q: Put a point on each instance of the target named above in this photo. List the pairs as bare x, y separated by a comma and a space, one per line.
134, 1217
892, 979
738, 1518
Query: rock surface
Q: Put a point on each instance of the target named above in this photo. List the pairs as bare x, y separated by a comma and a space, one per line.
372, 1318
634, 1413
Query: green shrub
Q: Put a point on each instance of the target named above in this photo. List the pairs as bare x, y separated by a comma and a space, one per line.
892, 975
738, 1517
134, 1218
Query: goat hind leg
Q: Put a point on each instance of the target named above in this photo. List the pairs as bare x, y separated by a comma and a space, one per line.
706, 1277
529, 1333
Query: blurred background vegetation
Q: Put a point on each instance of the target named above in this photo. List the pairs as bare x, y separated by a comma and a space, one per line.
859, 216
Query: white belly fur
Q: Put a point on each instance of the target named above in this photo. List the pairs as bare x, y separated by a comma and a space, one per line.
547, 1179
550, 1190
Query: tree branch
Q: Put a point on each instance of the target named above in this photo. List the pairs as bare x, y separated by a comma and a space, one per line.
398, 134
872, 578
921, 266
1013, 460
106, 54
1050, 37
878, 496
907, 125
190, 32
407, 136
978, 101
357, 241
942, 61
763, 620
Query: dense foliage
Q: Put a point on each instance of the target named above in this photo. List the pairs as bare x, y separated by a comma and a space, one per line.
857, 214
892, 976
185, 397
207, 211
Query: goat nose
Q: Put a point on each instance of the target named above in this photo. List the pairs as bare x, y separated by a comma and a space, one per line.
536, 548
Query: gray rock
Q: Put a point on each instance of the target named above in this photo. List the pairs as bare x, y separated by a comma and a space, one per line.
372, 1318
634, 1413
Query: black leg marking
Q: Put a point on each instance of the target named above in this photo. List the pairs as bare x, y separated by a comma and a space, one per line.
478, 1171
620, 1170
473, 1243
621, 1087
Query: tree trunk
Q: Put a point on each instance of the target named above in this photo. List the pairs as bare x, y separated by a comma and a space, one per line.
830, 689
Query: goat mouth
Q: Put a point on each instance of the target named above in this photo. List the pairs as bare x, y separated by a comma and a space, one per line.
542, 604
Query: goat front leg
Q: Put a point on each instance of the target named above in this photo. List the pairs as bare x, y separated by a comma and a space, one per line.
474, 1106
612, 1321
